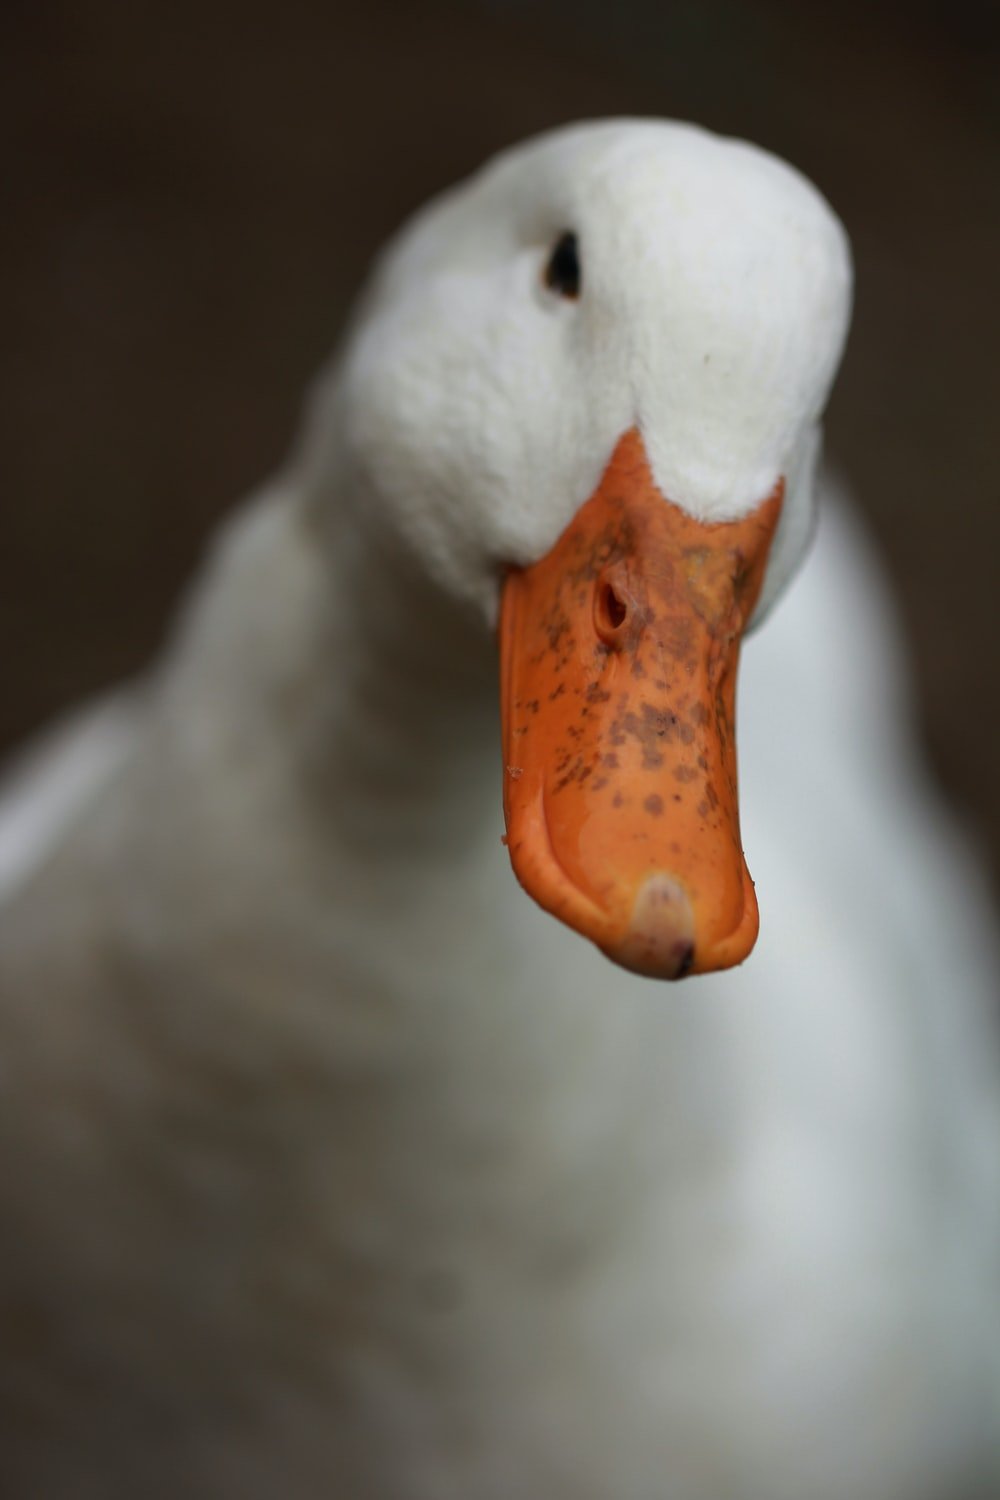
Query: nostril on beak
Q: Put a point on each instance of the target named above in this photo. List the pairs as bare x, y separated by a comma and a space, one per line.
613, 608
616, 612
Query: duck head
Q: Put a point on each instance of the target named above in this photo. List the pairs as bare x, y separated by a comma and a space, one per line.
584, 390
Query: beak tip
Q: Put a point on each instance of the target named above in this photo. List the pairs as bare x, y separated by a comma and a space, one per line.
660, 940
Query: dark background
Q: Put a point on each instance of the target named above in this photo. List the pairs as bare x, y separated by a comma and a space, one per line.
194, 192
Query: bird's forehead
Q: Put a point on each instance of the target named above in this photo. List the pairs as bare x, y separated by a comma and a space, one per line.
628, 167
647, 199
679, 197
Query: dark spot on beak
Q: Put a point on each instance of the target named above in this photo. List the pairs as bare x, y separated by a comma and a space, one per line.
685, 960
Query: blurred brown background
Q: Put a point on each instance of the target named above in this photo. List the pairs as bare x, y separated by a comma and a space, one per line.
195, 191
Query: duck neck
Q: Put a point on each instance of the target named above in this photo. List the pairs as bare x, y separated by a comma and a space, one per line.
403, 749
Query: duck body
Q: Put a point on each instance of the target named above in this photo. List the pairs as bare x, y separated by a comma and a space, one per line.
333, 1166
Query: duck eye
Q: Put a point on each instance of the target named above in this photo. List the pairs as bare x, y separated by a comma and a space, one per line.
562, 274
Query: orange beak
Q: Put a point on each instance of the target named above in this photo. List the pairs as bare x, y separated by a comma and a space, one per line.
619, 652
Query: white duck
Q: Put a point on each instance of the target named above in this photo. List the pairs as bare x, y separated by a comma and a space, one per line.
335, 1167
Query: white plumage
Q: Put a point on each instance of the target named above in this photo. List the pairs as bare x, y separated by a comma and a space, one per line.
332, 1165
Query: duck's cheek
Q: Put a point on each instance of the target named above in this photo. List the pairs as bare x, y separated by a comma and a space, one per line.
619, 652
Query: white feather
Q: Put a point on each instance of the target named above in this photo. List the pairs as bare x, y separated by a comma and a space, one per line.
332, 1164
44, 792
